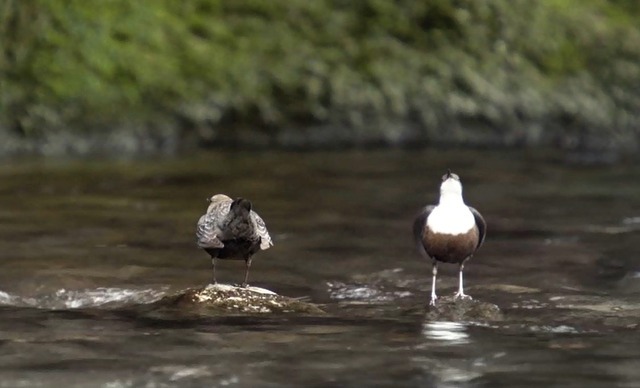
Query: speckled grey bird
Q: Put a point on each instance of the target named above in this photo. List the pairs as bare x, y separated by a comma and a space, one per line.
232, 230
450, 232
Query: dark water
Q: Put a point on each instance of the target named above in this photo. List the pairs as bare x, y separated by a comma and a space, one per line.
86, 246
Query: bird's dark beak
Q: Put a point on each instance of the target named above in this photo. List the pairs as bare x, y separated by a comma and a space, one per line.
448, 173
208, 199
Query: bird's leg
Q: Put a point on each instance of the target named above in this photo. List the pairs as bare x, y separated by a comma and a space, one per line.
247, 263
434, 271
460, 293
213, 264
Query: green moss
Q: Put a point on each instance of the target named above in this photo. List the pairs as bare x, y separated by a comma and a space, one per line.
219, 67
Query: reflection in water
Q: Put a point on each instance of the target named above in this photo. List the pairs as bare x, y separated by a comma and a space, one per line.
453, 333
455, 364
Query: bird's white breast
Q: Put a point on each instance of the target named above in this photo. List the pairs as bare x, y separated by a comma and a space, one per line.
451, 219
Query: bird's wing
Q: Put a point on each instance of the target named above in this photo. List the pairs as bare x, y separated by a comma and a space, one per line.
481, 224
419, 224
209, 233
261, 231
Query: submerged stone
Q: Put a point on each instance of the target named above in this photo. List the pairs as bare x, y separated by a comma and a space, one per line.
224, 298
448, 309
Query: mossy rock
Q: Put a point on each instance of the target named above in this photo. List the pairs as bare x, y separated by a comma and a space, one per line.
459, 310
227, 299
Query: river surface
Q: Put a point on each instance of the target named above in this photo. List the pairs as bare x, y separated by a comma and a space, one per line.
86, 246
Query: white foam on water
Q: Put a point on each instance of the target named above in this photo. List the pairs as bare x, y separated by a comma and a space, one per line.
6, 298
15, 300
100, 296
359, 292
561, 329
631, 221
118, 384
73, 299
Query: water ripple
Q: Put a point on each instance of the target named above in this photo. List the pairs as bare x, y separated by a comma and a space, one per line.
362, 292
73, 299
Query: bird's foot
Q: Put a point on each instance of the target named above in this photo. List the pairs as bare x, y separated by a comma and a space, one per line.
461, 295
432, 302
244, 285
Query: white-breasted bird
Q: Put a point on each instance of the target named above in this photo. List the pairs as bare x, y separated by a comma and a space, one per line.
231, 230
450, 232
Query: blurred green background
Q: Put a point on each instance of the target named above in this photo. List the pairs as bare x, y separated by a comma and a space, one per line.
121, 76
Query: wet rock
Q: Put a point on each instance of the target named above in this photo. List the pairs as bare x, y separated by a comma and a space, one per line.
470, 310
222, 298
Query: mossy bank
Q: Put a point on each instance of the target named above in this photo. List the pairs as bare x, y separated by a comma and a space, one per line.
155, 76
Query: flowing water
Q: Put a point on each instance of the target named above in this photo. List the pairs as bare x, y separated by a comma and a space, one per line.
87, 246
